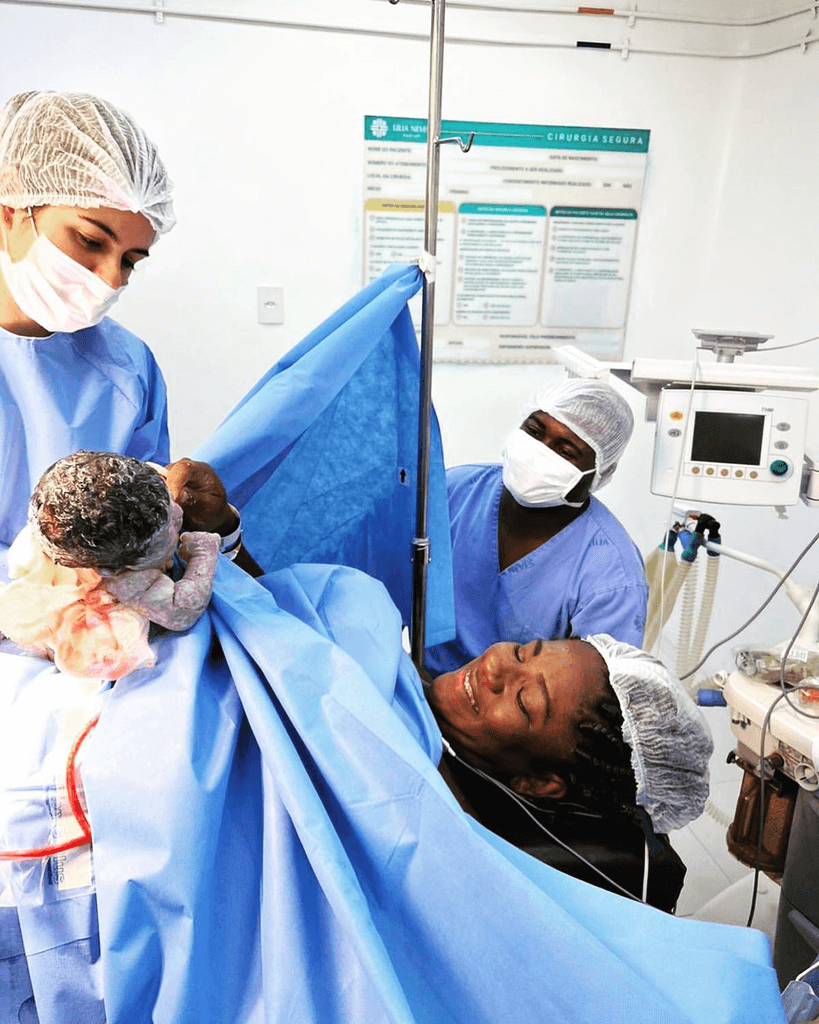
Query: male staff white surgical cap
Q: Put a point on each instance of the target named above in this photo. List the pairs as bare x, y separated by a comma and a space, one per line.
73, 149
595, 412
669, 738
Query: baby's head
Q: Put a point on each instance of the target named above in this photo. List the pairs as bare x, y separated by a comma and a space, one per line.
106, 512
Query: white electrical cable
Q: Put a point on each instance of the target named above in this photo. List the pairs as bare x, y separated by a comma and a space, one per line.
646, 861
522, 802
795, 344
625, 48
760, 609
642, 14
695, 369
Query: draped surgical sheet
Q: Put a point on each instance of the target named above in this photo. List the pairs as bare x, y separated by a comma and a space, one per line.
273, 843
336, 424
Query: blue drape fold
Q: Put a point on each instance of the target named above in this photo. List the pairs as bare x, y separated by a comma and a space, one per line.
320, 456
274, 843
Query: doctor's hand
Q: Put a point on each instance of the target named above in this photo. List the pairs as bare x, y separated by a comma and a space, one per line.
196, 488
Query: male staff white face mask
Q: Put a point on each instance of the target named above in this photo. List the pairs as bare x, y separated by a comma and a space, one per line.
537, 477
54, 290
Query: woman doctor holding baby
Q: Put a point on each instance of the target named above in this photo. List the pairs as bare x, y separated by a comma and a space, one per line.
84, 197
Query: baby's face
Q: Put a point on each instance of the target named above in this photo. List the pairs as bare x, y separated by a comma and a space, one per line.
174, 527
165, 542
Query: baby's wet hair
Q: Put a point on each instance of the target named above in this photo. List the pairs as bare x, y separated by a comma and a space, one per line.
99, 510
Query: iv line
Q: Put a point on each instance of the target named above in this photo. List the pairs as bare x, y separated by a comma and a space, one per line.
522, 802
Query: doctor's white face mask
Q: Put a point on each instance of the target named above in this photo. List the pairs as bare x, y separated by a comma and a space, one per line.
55, 291
537, 477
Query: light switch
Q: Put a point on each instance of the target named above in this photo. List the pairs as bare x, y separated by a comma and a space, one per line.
270, 303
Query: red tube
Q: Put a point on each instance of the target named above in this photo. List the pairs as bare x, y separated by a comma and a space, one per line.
76, 809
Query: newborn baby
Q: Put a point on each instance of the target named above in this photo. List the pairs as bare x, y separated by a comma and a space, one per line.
89, 570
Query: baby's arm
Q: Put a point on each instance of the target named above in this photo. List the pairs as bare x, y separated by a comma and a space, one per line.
172, 605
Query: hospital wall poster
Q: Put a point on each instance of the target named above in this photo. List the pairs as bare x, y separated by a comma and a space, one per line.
537, 227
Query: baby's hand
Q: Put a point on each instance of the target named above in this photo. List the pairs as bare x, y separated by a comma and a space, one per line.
198, 543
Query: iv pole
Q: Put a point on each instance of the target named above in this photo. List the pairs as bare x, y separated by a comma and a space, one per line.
420, 543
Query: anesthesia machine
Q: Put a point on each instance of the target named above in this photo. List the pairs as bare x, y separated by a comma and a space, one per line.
735, 433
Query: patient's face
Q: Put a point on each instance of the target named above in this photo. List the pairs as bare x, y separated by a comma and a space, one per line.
516, 703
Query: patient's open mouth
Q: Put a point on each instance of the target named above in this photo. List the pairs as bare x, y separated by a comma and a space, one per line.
470, 693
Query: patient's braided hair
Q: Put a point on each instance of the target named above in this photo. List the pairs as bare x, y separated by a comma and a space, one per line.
599, 775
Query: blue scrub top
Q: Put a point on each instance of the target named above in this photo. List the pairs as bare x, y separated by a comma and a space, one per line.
589, 578
98, 389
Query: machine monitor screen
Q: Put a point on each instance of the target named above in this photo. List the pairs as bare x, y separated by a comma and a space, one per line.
732, 438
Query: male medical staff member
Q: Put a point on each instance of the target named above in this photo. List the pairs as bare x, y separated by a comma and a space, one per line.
534, 554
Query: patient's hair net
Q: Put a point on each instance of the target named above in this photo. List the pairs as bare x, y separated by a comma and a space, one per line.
101, 510
73, 149
596, 413
669, 738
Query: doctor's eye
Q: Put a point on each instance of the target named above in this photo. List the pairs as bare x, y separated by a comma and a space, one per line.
517, 653
88, 242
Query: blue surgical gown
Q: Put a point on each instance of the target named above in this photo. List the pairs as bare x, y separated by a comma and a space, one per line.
589, 578
98, 389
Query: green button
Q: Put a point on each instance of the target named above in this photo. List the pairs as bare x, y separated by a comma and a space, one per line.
779, 467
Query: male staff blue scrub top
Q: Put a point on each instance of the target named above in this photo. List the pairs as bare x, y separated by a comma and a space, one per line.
98, 389
589, 578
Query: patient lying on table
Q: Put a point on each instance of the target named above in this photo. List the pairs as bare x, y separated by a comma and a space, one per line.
596, 721
90, 569
599, 735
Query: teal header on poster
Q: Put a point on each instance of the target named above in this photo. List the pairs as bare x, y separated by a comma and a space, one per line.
593, 212
502, 209
380, 128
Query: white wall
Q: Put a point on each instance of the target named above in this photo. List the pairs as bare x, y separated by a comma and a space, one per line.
261, 130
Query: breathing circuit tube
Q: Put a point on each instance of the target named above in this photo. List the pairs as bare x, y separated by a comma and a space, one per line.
692, 639
668, 576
